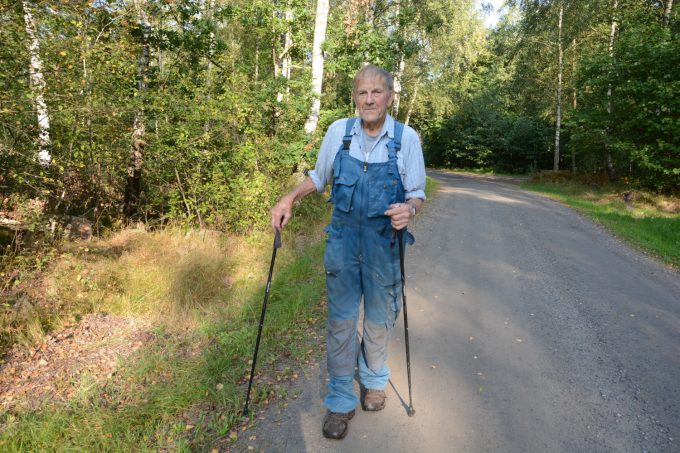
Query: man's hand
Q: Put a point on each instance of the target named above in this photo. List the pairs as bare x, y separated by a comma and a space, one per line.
400, 214
282, 212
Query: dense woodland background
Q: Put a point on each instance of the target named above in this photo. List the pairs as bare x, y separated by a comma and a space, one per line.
202, 112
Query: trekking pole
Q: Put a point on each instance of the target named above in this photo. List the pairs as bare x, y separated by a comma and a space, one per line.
410, 411
277, 244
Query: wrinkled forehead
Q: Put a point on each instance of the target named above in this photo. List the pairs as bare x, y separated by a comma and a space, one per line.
370, 77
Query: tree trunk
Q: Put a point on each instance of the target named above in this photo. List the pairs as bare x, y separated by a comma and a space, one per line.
668, 7
412, 102
556, 162
257, 60
37, 83
287, 45
397, 85
399, 74
283, 63
322, 7
133, 186
573, 99
611, 173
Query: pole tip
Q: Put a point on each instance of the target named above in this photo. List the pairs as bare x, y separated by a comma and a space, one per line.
245, 411
411, 412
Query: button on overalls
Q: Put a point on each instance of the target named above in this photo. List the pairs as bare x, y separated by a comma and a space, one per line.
361, 259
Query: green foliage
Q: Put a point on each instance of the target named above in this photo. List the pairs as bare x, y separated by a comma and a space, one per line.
643, 129
620, 107
212, 145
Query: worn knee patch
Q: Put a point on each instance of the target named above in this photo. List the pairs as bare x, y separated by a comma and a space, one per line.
376, 337
341, 347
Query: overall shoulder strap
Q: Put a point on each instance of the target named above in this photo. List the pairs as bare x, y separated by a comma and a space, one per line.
394, 145
347, 139
398, 131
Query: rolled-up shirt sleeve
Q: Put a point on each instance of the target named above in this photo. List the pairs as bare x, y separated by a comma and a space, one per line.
321, 175
413, 177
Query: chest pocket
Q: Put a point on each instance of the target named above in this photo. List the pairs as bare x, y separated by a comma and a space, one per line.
382, 193
343, 191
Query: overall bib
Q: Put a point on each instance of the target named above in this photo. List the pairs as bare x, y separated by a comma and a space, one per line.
361, 260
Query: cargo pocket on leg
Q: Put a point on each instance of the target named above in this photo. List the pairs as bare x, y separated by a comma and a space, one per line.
334, 256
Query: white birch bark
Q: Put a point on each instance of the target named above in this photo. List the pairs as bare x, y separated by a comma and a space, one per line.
136, 160
287, 44
284, 57
320, 23
558, 114
400, 67
37, 83
399, 74
612, 36
412, 102
668, 7
573, 99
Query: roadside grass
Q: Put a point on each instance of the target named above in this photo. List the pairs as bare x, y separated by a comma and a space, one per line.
431, 185
647, 221
476, 171
201, 292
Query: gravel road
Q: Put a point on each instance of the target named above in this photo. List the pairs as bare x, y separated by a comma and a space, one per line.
532, 330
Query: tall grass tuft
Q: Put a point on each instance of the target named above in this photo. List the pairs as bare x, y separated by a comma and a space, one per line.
201, 294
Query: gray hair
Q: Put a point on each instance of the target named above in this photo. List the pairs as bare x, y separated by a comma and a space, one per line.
371, 70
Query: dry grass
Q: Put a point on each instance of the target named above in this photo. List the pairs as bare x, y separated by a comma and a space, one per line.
175, 278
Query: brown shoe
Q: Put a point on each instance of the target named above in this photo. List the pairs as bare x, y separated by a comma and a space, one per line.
372, 399
335, 424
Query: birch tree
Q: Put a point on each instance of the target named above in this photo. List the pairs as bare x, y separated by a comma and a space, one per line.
668, 7
412, 102
136, 158
611, 174
321, 20
399, 73
282, 61
37, 82
558, 109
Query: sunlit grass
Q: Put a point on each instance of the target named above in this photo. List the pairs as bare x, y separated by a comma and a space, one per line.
431, 185
202, 294
647, 221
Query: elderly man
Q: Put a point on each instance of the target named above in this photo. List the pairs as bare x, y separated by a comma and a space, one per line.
376, 169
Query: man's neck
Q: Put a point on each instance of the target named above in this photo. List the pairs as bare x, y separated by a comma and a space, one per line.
373, 129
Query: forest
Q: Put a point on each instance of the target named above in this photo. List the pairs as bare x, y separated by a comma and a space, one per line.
202, 112
159, 133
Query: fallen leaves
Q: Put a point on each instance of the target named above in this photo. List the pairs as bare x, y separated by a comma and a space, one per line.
54, 368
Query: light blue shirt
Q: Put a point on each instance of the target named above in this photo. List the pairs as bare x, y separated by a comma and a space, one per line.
409, 158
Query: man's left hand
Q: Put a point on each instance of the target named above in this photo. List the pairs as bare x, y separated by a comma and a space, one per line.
400, 214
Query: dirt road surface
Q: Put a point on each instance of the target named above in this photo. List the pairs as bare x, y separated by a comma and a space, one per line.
532, 330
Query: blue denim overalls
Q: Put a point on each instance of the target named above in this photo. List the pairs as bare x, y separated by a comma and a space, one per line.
361, 259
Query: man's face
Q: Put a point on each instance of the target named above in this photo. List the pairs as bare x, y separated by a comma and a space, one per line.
372, 98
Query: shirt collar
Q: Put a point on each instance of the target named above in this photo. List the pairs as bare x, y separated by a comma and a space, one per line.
388, 126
